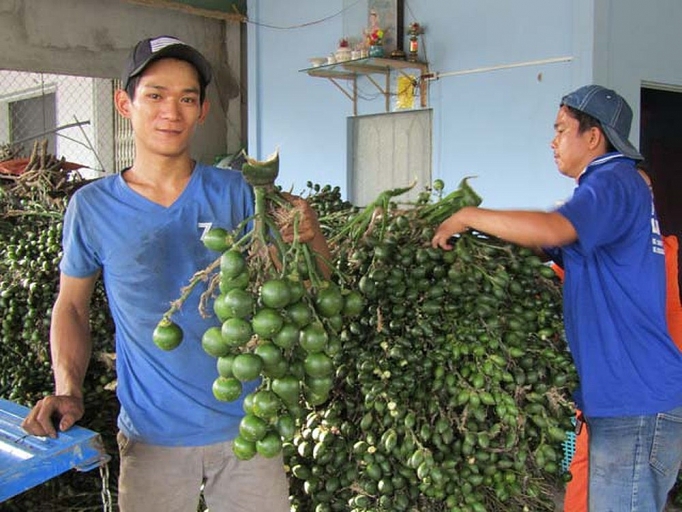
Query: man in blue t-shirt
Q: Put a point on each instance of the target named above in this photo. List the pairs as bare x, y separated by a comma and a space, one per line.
141, 230
606, 238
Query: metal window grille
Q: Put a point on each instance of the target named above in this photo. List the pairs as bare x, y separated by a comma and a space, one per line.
74, 114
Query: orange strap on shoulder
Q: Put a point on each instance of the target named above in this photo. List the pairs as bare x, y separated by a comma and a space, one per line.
673, 304
558, 270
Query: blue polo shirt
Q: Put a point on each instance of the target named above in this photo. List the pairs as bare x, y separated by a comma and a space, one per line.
614, 295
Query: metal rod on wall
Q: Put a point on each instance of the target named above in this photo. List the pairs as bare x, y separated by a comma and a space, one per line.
436, 75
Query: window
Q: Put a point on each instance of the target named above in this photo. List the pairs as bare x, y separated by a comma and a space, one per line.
75, 114
389, 151
32, 119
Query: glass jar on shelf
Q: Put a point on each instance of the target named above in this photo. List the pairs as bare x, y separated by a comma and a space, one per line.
343, 52
376, 50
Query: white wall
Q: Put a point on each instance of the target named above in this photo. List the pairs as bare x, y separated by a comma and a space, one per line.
76, 102
645, 42
496, 125
304, 117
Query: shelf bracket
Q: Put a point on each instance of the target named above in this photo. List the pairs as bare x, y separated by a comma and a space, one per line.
353, 96
383, 90
350, 70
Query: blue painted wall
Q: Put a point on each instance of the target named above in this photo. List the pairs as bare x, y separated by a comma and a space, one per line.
496, 124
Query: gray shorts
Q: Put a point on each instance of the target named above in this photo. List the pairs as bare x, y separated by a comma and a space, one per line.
169, 479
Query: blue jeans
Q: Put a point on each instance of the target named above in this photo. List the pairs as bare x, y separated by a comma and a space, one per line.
634, 461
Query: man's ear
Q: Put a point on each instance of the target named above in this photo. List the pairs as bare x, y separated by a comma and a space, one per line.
597, 138
122, 102
204, 111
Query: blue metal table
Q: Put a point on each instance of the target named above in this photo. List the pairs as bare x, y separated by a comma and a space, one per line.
27, 461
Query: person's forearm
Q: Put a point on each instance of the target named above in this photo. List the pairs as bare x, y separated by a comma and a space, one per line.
71, 348
527, 228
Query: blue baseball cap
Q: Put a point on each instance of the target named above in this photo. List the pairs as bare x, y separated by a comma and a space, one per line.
612, 112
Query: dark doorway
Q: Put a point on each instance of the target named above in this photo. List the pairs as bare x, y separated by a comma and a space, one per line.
661, 145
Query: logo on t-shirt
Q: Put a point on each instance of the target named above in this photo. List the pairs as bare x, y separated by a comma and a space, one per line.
205, 228
656, 241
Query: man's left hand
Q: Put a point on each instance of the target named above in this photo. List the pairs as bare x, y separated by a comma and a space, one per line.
305, 218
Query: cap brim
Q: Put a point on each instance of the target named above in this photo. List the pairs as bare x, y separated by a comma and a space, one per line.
621, 144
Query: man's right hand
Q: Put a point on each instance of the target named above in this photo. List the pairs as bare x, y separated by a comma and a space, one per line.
52, 413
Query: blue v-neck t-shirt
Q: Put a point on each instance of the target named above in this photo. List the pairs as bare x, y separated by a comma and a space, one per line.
147, 253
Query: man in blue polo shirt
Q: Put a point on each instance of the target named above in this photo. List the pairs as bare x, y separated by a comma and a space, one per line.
607, 240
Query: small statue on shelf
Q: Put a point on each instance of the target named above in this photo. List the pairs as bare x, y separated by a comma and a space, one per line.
374, 35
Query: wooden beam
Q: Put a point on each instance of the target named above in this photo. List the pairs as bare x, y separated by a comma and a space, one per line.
195, 7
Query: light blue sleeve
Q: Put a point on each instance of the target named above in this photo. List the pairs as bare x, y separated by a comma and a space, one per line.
79, 258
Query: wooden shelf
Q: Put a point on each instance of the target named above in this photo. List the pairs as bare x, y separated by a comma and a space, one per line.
350, 70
